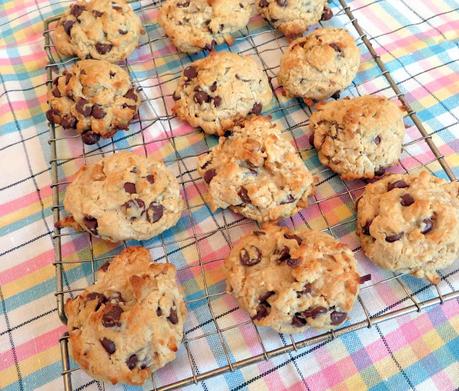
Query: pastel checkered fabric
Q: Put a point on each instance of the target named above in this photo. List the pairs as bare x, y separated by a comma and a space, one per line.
418, 42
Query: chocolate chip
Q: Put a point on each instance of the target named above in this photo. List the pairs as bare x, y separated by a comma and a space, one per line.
288, 200
293, 262
105, 266
150, 178
365, 278
56, 92
131, 362
256, 108
377, 140
68, 76
311, 139
130, 94
263, 3
90, 138
83, 108
282, 3
394, 238
336, 95
76, 10
190, 72
91, 224
306, 289
259, 233
282, 254
327, 14
314, 312
248, 260
406, 200
130, 107
298, 320
295, 237
209, 174
68, 24
112, 74
103, 48
112, 316
135, 208
98, 112
217, 101
122, 32
210, 46
201, 96
108, 345
154, 212
380, 171
228, 133
143, 366
400, 184
116, 7
159, 311
129, 187
176, 97
97, 14
50, 115
116, 297
185, 4
243, 195
337, 317
266, 296
427, 225
101, 299
366, 228
213, 87
263, 310
335, 47
69, 122
173, 318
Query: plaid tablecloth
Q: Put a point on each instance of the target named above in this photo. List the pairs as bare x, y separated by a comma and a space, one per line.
418, 40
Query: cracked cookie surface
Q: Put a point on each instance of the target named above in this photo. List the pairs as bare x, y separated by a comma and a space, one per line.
124, 196
215, 92
256, 172
410, 222
130, 322
101, 29
292, 280
359, 137
320, 64
96, 98
291, 17
193, 25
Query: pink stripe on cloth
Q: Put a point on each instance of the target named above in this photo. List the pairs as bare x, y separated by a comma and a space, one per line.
24, 201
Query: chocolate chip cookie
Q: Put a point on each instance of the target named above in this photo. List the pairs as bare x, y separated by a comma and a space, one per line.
130, 322
410, 223
359, 137
102, 29
256, 172
320, 64
124, 196
215, 92
96, 98
292, 280
193, 25
293, 17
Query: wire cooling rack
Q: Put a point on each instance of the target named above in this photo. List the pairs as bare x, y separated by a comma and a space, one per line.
201, 239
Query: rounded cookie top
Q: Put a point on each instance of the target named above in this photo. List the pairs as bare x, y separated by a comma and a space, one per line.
359, 137
291, 17
95, 97
193, 25
101, 29
130, 322
410, 222
320, 64
291, 280
124, 196
256, 172
215, 92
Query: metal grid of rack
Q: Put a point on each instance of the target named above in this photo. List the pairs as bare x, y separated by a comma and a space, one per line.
157, 132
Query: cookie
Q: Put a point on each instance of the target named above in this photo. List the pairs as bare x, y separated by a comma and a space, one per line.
410, 222
320, 64
215, 92
101, 29
96, 98
124, 196
293, 17
293, 280
256, 172
193, 25
359, 137
130, 322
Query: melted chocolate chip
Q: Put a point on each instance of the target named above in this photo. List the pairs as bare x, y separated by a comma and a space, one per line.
213, 87
298, 320
228, 133
50, 115
377, 140
83, 108
105, 266
288, 200
91, 224
335, 47
69, 122
90, 138
190, 72
314, 312
112, 74
68, 24
209, 174
131, 362
366, 228
122, 32
173, 318
150, 178
68, 76
394, 238
101, 299
337, 317
108, 345
380, 171
256, 109
103, 48
217, 101
201, 96
131, 94
306, 289
154, 212
327, 14
406, 200
111, 318
282, 3
98, 112
293, 236
135, 208
159, 311
263, 310
365, 278
175, 96
185, 4
283, 254
243, 195
259, 233
248, 260
263, 3
76, 10
56, 92
400, 184
129, 187
336, 95
97, 14
427, 225
311, 139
